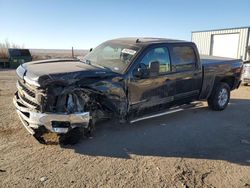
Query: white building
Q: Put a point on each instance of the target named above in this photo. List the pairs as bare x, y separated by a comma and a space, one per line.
232, 42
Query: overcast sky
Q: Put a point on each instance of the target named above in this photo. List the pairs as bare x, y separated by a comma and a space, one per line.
58, 24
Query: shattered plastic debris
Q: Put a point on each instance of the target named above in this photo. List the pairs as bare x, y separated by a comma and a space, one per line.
44, 178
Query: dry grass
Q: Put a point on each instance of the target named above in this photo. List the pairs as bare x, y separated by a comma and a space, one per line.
4, 46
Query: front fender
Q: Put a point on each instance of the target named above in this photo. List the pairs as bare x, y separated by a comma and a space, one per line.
113, 96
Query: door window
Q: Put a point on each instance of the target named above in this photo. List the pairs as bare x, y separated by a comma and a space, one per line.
159, 54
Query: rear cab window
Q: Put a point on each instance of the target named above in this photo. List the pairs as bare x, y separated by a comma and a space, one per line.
183, 58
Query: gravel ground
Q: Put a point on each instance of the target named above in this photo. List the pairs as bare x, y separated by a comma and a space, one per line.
194, 148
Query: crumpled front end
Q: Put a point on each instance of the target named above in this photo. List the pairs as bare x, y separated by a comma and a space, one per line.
30, 101
67, 102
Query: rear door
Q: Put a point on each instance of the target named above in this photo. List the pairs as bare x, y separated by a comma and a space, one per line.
188, 74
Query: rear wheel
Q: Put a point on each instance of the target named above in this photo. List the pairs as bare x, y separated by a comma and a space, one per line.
245, 84
220, 96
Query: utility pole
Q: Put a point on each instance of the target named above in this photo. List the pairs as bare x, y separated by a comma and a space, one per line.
72, 52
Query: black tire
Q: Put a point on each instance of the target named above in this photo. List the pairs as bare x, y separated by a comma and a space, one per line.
219, 97
72, 137
245, 84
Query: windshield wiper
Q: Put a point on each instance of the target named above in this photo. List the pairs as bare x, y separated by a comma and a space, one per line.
100, 66
87, 61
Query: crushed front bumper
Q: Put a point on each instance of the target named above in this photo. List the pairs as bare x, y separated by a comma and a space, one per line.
32, 120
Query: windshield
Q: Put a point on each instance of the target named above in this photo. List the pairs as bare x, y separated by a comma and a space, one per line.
112, 55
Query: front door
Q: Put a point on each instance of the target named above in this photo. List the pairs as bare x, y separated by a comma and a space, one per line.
151, 90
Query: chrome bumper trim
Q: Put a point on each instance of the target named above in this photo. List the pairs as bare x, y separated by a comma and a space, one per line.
32, 120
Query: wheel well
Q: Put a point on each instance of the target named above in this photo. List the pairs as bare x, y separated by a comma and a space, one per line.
229, 80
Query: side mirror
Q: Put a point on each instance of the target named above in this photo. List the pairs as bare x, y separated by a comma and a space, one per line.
154, 68
139, 72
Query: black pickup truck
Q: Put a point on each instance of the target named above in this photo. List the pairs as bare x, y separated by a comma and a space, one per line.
127, 79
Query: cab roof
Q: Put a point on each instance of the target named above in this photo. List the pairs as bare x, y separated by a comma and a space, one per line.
144, 41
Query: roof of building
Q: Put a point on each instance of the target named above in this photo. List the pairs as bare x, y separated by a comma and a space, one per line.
245, 27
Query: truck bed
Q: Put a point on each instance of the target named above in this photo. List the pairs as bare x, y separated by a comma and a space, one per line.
206, 59
215, 68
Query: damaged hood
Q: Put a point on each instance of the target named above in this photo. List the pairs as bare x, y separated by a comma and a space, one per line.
41, 73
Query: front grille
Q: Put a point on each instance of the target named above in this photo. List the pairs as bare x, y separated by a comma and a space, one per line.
25, 88
27, 96
28, 102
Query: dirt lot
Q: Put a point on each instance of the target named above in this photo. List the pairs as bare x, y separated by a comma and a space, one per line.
195, 148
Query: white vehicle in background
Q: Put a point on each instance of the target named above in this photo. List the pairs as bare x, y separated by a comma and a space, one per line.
246, 73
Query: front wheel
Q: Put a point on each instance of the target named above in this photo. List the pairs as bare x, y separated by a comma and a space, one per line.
219, 98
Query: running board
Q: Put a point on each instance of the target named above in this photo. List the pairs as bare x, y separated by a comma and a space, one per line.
169, 111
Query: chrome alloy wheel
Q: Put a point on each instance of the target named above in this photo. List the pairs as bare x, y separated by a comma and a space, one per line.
223, 97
